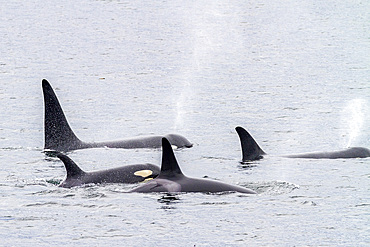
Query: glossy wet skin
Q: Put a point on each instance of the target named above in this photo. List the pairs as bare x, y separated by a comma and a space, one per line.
60, 137
251, 150
125, 174
185, 184
354, 152
171, 179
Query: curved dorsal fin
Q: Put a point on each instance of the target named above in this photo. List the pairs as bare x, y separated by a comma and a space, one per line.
58, 134
250, 148
169, 166
71, 167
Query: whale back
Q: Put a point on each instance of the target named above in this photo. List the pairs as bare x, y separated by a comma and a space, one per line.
353, 152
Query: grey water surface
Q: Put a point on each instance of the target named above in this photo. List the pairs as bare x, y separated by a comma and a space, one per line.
293, 73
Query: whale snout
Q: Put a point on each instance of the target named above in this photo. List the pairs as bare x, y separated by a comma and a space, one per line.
178, 141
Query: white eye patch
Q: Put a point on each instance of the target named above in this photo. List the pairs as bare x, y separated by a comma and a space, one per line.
143, 173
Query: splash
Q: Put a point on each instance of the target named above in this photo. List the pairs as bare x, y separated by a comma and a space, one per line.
354, 116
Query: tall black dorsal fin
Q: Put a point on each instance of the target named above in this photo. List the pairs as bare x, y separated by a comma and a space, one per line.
58, 134
72, 168
169, 167
250, 148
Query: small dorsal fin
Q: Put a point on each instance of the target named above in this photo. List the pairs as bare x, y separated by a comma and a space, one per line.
72, 168
58, 134
250, 148
169, 167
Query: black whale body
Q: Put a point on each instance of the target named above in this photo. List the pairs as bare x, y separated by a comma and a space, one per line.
171, 179
252, 151
60, 137
126, 174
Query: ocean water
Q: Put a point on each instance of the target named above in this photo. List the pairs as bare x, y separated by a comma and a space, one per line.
295, 74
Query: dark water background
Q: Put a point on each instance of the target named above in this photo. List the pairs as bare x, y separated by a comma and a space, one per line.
294, 73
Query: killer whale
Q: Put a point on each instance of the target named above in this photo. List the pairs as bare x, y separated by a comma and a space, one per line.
252, 151
59, 136
171, 179
126, 174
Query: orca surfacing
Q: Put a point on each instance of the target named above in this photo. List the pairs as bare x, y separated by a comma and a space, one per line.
60, 137
171, 179
126, 174
251, 150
